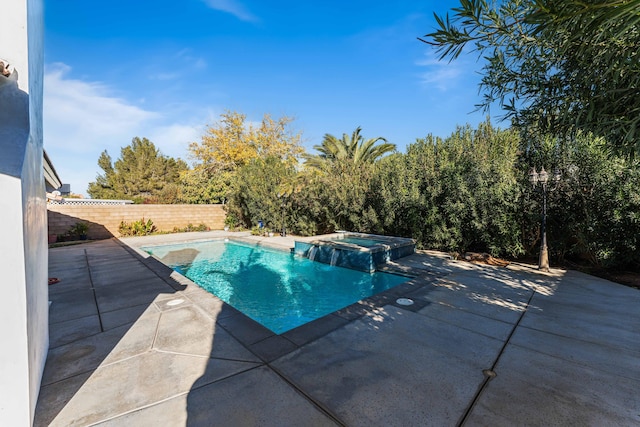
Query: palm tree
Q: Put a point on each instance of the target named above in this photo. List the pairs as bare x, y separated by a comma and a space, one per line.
353, 149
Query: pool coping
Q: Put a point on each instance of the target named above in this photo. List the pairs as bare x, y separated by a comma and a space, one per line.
261, 341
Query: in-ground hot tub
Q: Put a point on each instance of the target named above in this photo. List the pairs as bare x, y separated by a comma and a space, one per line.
357, 251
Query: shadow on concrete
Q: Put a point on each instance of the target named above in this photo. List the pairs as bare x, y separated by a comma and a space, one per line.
105, 292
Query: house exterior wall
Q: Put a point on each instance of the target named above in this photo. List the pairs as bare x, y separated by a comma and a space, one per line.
104, 220
23, 227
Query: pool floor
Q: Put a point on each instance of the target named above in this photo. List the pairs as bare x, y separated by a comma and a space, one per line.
275, 288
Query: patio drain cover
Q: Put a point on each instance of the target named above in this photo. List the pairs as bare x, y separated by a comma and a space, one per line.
404, 301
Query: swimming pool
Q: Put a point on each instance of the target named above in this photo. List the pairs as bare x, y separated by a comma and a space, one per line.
275, 288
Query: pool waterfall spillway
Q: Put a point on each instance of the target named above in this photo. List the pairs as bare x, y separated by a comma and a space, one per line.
357, 251
334, 256
311, 254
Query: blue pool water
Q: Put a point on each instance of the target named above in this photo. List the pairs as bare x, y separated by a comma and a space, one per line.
275, 288
358, 241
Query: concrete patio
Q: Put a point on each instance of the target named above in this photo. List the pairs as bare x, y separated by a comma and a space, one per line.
134, 344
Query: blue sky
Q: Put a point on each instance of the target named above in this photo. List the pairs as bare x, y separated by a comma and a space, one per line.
164, 70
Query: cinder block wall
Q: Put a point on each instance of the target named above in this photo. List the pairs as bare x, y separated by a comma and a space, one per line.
104, 220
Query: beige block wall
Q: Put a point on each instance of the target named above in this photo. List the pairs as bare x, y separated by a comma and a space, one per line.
104, 220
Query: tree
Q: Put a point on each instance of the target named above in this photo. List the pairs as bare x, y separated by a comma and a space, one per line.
353, 149
197, 186
456, 194
275, 138
140, 174
258, 191
559, 66
231, 143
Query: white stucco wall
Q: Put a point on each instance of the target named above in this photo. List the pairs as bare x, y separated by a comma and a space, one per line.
23, 246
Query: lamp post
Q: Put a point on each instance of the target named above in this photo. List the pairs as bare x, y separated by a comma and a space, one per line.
542, 178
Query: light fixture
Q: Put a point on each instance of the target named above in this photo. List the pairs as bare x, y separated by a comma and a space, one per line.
542, 177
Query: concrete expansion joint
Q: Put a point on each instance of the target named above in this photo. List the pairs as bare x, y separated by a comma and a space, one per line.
93, 289
315, 402
156, 332
490, 373
158, 350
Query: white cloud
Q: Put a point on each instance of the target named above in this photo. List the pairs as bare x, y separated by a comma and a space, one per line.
442, 75
176, 65
81, 119
186, 57
79, 114
233, 7
174, 139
